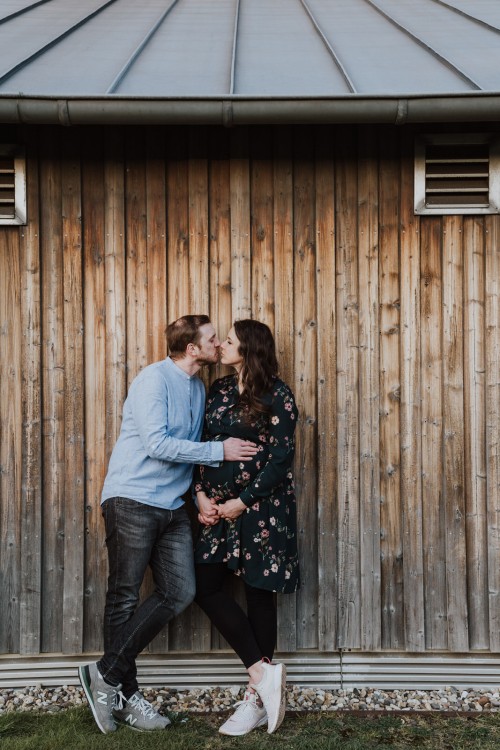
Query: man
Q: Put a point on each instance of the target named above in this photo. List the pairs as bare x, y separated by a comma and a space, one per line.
146, 523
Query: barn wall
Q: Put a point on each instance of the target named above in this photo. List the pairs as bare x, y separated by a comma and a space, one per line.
387, 327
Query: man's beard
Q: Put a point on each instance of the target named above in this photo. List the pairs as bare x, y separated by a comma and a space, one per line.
205, 360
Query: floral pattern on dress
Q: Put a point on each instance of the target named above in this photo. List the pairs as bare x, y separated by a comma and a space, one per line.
261, 544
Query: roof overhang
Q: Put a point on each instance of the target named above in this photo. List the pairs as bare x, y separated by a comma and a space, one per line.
232, 111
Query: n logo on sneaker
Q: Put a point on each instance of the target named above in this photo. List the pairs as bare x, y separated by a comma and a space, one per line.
130, 719
102, 698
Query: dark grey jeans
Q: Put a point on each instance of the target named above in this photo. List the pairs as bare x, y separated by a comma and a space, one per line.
139, 535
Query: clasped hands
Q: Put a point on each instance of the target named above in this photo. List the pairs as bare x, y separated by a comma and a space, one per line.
209, 513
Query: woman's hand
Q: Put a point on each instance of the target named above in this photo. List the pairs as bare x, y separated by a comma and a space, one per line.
231, 509
207, 508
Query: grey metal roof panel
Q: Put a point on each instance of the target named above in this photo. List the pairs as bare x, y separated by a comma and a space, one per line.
236, 49
485, 10
88, 58
470, 46
9, 7
379, 57
189, 55
26, 34
279, 52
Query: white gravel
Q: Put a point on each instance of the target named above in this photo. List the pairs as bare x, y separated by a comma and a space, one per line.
218, 700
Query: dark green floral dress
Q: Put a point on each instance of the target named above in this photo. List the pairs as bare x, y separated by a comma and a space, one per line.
260, 545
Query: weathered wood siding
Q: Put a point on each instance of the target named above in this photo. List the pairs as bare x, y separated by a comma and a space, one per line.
387, 327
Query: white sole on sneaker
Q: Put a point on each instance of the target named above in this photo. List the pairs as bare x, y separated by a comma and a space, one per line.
281, 675
247, 731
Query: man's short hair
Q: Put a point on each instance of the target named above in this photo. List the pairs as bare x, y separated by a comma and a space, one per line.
184, 331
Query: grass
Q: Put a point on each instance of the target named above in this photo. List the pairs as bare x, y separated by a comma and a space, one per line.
75, 730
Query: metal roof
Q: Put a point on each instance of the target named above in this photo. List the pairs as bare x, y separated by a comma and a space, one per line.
159, 60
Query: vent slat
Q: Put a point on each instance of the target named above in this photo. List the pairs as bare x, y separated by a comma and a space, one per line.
457, 175
461, 176
446, 186
457, 161
456, 200
12, 184
7, 188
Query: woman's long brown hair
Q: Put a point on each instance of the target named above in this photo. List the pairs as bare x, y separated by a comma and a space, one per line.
260, 366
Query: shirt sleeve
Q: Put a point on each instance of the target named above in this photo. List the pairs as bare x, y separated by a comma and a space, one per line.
280, 448
148, 403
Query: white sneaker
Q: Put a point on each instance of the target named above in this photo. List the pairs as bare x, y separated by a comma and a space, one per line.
272, 691
248, 716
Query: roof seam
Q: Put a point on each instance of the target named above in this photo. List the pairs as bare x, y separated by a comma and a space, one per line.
329, 47
425, 46
9, 73
463, 13
140, 48
232, 80
23, 10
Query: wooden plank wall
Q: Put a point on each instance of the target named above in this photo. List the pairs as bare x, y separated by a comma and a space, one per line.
387, 327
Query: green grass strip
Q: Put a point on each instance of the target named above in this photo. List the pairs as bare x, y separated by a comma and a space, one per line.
75, 730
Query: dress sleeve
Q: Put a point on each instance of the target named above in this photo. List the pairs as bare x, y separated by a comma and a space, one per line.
197, 474
280, 448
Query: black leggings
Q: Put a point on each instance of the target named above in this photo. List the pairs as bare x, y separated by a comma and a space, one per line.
252, 636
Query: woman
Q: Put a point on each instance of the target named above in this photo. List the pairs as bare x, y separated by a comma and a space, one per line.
247, 512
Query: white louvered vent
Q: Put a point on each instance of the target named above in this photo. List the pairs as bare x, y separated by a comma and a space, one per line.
7, 188
12, 184
457, 174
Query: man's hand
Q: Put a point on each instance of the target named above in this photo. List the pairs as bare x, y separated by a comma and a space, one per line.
231, 509
238, 450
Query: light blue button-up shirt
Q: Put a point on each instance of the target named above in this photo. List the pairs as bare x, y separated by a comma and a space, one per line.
153, 459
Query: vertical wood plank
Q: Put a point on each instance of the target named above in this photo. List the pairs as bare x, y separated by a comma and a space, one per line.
156, 224
10, 438
369, 391
219, 236
432, 436
74, 481
453, 432
198, 221
475, 448
492, 313
284, 319
136, 255
115, 285
347, 300
390, 394
53, 392
178, 291
96, 458
31, 494
411, 455
305, 385
239, 181
261, 213
326, 385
